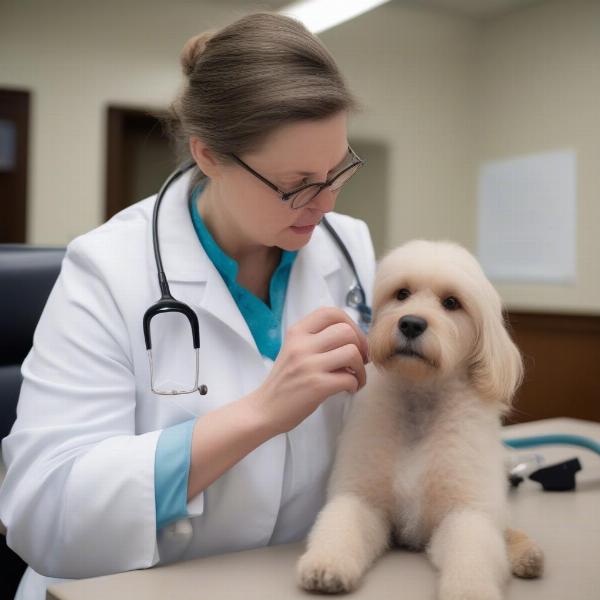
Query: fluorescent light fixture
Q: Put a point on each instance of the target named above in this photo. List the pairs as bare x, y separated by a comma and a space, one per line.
319, 15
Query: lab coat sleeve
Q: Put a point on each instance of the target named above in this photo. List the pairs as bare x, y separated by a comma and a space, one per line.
171, 474
78, 498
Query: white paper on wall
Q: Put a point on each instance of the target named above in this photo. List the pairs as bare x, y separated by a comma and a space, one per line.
527, 218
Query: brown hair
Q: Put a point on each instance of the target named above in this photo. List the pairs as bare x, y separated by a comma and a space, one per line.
247, 79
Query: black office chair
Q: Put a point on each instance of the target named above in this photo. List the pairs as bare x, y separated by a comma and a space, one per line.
27, 275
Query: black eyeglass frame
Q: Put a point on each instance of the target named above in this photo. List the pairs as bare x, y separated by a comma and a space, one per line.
285, 196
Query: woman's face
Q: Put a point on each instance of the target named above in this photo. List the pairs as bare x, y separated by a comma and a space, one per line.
293, 155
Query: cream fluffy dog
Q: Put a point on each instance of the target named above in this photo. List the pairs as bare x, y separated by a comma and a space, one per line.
420, 461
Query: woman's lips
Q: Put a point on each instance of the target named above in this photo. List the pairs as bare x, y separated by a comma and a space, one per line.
302, 229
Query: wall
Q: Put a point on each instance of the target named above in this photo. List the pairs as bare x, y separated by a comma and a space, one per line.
442, 93
538, 88
413, 69
410, 67
76, 57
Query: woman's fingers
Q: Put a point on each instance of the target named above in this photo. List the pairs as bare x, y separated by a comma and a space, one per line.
324, 318
322, 354
334, 336
341, 381
344, 359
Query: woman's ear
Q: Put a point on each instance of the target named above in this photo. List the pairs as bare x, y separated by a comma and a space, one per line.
204, 157
496, 366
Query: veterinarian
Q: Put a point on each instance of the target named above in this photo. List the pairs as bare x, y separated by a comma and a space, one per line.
106, 475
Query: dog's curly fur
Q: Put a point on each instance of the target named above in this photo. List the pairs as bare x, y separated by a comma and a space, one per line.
420, 462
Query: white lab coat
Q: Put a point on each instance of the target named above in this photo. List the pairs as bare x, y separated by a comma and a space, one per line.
78, 498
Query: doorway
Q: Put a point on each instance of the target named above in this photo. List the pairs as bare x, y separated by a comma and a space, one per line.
14, 148
139, 157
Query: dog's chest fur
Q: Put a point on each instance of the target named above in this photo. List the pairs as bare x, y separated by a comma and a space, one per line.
416, 421
421, 453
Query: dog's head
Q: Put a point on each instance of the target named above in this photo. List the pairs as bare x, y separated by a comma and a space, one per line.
437, 316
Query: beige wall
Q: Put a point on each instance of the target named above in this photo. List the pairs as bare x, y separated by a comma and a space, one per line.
76, 57
538, 89
413, 70
442, 92
450, 93
410, 67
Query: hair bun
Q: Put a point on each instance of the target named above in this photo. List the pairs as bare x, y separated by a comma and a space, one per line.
192, 49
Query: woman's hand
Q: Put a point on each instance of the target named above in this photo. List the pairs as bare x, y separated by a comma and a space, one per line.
322, 354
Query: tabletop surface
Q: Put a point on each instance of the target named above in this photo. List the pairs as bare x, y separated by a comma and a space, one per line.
565, 524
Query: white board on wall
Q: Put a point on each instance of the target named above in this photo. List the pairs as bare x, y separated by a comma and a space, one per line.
527, 209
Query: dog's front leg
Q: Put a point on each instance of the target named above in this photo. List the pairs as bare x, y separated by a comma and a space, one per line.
470, 552
348, 535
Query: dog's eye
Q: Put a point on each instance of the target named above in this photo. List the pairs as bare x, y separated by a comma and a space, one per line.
451, 303
402, 294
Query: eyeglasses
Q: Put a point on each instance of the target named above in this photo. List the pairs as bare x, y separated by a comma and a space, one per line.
302, 195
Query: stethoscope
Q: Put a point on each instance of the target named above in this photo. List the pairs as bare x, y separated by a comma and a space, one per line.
355, 298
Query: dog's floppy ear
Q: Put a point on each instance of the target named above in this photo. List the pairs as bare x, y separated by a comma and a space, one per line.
496, 364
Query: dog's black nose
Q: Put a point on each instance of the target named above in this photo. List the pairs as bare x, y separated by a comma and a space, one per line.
412, 326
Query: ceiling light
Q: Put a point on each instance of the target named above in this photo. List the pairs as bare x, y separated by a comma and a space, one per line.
319, 15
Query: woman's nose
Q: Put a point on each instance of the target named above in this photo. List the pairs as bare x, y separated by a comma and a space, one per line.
324, 200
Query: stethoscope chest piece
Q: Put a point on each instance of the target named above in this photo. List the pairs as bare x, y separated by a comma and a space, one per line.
354, 297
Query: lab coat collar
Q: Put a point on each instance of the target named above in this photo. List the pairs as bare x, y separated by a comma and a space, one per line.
185, 260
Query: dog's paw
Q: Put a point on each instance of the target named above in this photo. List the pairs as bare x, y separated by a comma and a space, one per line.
526, 557
318, 573
529, 563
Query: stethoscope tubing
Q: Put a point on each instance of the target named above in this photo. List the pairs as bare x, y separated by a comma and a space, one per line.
554, 439
167, 303
363, 308
162, 278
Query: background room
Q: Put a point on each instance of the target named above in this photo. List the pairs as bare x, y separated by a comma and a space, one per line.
460, 97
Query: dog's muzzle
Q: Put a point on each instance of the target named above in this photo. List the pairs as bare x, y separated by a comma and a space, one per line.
412, 326
407, 351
